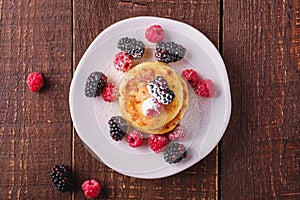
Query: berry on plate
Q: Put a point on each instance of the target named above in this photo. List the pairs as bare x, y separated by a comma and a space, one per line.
132, 47
117, 127
191, 76
91, 188
61, 176
122, 61
169, 52
109, 93
154, 33
35, 81
174, 153
179, 132
205, 88
94, 84
135, 139
158, 142
160, 90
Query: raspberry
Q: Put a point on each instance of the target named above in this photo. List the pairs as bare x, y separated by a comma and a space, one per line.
151, 107
94, 84
179, 132
191, 76
135, 139
35, 81
205, 88
117, 127
91, 188
154, 33
62, 177
123, 61
109, 93
174, 153
160, 90
132, 47
158, 142
169, 52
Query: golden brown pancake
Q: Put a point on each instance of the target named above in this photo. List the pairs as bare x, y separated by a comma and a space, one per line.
133, 92
172, 124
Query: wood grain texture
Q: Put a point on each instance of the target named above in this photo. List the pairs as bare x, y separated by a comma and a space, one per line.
36, 128
260, 154
199, 181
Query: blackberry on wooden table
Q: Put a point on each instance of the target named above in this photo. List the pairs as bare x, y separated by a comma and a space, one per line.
61, 176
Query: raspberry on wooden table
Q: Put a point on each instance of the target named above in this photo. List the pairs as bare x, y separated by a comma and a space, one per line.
91, 188
35, 81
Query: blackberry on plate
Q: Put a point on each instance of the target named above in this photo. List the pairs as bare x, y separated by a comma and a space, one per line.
61, 176
169, 52
117, 127
174, 153
132, 47
94, 84
160, 90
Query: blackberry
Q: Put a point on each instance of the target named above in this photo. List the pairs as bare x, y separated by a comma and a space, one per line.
117, 127
169, 52
132, 47
160, 90
62, 177
94, 84
174, 153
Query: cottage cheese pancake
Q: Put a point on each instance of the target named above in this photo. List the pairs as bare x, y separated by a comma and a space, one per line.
133, 92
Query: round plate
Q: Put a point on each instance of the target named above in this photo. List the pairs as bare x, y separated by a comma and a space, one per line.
205, 120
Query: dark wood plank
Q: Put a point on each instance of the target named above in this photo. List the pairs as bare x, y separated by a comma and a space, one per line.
36, 128
260, 154
198, 182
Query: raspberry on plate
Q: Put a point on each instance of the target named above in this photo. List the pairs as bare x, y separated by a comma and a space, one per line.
179, 132
123, 61
205, 88
109, 93
154, 33
191, 76
35, 81
91, 188
135, 139
157, 142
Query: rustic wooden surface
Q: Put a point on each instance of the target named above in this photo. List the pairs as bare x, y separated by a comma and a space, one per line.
259, 155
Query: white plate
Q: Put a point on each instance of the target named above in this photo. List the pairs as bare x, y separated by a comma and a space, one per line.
205, 120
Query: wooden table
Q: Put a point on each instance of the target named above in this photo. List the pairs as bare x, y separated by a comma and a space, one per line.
259, 155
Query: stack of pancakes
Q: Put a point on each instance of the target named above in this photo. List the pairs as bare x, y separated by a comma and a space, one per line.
133, 92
